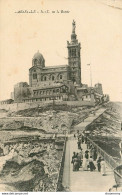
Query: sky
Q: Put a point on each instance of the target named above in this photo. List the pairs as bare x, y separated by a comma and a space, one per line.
98, 28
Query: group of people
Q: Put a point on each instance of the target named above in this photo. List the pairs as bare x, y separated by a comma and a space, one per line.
87, 159
77, 160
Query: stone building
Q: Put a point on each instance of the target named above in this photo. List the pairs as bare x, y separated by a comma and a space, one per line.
39, 73
98, 88
62, 82
8, 101
21, 90
52, 82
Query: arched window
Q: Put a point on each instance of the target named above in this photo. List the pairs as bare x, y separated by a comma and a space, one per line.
53, 78
45, 78
35, 62
57, 90
73, 79
35, 76
73, 52
60, 76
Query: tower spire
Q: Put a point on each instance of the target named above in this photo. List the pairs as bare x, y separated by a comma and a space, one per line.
74, 60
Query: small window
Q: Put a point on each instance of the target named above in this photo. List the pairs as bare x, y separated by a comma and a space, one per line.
45, 78
35, 62
35, 76
73, 52
70, 52
60, 77
53, 78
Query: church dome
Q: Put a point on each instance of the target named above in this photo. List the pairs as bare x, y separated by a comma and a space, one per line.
38, 56
38, 59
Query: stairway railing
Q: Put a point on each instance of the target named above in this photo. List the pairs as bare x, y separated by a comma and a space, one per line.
109, 160
60, 174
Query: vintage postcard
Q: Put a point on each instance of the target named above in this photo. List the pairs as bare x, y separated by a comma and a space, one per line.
61, 96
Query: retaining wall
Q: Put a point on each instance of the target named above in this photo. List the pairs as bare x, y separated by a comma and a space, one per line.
23, 106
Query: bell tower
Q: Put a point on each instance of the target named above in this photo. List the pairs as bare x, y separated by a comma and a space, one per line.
74, 60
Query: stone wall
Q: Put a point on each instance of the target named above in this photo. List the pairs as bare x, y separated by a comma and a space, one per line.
23, 106
20, 93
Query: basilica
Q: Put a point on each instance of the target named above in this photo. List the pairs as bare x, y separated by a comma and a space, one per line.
62, 82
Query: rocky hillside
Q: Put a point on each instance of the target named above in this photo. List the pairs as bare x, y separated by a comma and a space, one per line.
46, 121
30, 165
106, 130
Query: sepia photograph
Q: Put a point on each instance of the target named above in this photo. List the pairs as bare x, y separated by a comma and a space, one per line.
61, 96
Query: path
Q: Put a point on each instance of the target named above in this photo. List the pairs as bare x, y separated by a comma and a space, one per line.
89, 120
86, 181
